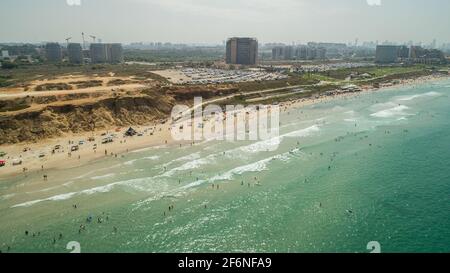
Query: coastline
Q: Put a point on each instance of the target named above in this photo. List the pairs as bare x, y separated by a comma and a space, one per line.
153, 136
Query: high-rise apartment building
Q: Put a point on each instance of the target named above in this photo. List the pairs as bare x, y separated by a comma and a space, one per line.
243, 51
106, 53
75, 53
53, 52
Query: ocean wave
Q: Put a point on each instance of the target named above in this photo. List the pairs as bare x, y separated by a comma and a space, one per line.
149, 149
257, 166
417, 96
392, 112
131, 162
191, 165
273, 143
7, 196
96, 170
303, 132
189, 157
103, 176
90, 191
155, 157
59, 197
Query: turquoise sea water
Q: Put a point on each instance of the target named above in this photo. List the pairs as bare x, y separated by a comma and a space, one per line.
373, 167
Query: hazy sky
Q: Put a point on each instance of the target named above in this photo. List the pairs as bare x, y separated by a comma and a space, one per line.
212, 21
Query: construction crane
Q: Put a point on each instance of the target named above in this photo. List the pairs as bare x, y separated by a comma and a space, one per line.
93, 38
68, 40
84, 41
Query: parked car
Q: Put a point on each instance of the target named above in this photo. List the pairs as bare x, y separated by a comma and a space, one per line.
74, 148
107, 140
41, 155
2, 163
17, 162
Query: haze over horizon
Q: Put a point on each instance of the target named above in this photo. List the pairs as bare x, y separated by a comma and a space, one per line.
212, 21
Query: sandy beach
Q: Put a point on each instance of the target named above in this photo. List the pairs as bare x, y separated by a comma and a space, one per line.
40, 156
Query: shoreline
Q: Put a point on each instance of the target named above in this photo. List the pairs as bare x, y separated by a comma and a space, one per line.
153, 136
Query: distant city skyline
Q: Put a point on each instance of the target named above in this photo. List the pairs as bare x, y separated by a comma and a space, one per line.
213, 21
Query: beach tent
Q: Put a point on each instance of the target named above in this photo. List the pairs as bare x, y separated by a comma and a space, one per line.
130, 132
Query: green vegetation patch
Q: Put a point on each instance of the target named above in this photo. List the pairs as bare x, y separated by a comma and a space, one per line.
13, 105
53, 87
87, 84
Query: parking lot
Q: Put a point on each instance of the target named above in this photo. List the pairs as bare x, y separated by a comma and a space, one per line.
211, 76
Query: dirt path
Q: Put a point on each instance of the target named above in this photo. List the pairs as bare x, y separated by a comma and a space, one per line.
126, 87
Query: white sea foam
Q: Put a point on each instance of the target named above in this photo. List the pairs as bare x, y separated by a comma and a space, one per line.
303, 132
417, 96
149, 149
65, 196
392, 112
274, 142
252, 167
97, 170
103, 176
131, 162
189, 157
191, 165
155, 157
59, 197
7, 196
